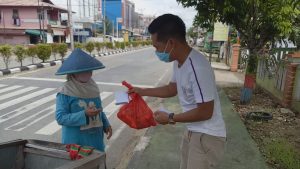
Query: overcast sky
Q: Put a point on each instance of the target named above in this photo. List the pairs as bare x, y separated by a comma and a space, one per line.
149, 7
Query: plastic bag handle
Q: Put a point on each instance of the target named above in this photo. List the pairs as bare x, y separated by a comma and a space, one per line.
129, 86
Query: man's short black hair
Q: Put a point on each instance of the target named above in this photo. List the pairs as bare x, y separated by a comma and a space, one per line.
168, 26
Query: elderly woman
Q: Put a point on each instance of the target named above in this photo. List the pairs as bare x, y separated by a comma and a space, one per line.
78, 103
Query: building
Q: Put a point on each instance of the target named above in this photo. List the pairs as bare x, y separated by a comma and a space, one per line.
82, 30
30, 21
113, 12
121, 13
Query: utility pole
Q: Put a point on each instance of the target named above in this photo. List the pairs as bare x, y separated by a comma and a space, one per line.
39, 15
104, 20
94, 16
117, 29
4, 29
43, 17
89, 7
83, 3
113, 28
79, 8
70, 24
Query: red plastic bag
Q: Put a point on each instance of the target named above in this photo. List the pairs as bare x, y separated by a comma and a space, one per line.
136, 114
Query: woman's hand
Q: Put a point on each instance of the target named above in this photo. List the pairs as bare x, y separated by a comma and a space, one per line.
92, 111
108, 131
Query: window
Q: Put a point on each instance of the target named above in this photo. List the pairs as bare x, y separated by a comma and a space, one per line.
15, 17
15, 14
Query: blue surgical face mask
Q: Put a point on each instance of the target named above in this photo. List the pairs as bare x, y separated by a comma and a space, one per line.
164, 56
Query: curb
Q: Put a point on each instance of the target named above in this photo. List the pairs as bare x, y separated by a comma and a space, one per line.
15, 70
29, 67
220, 68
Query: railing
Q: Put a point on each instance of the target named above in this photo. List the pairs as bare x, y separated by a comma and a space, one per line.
52, 22
273, 65
244, 54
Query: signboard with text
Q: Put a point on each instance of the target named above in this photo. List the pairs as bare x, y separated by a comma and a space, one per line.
220, 32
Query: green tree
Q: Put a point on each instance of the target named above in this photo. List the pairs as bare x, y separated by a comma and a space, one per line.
62, 50
6, 53
109, 45
127, 44
109, 26
118, 45
135, 44
191, 33
31, 52
257, 21
90, 47
122, 46
54, 47
43, 52
295, 35
20, 52
78, 45
98, 46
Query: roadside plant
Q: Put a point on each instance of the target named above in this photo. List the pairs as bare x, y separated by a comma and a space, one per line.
6, 53
20, 52
43, 52
62, 50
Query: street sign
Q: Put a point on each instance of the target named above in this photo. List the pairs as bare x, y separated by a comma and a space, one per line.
119, 20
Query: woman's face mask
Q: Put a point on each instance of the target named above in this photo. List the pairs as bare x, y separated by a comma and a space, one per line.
83, 77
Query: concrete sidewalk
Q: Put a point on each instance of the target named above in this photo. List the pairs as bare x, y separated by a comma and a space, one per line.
163, 149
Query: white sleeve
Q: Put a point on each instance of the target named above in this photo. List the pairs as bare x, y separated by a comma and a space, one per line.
173, 79
203, 84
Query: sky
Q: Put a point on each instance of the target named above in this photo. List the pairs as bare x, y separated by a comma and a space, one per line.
149, 7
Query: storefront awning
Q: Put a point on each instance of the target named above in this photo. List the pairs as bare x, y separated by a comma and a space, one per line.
58, 32
33, 32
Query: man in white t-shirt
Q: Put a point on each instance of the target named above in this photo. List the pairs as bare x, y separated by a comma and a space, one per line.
194, 83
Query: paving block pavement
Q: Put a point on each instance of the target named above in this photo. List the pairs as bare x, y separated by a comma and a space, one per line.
163, 149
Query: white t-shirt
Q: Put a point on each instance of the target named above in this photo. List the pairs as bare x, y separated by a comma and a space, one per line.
195, 82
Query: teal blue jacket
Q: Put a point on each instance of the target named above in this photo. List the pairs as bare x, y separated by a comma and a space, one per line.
71, 115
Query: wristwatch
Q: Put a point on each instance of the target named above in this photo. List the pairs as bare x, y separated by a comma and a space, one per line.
171, 120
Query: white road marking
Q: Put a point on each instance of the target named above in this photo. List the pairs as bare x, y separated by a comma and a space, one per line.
111, 109
115, 135
9, 88
63, 80
29, 123
15, 93
144, 141
50, 129
104, 95
2, 85
24, 109
24, 98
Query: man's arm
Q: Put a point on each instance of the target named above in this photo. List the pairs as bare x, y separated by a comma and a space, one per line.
203, 112
169, 90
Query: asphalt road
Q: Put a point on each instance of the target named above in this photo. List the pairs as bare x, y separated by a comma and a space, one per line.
27, 100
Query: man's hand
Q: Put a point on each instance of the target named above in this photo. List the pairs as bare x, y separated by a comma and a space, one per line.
108, 131
161, 117
137, 90
92, 111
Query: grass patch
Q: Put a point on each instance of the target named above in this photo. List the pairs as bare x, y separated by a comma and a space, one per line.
283, 153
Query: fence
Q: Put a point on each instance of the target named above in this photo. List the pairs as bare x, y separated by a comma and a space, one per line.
279, 73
